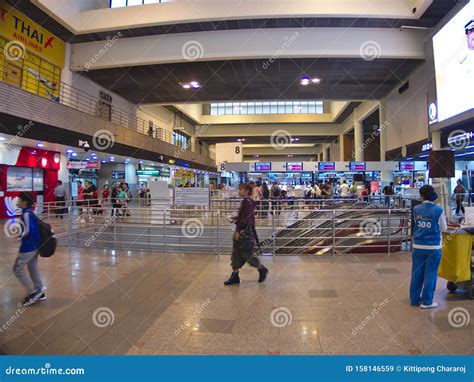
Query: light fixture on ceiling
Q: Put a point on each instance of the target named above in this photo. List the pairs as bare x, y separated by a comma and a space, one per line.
192, 84
3, 139
306, 80
69, 151
39, 145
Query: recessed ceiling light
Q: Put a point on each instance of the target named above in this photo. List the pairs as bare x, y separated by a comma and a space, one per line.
103, 161
316, 80
74, 154
69, 151
187, 86
305, 80
141, 161
39, 145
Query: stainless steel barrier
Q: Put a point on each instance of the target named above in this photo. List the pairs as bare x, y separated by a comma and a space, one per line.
334, 228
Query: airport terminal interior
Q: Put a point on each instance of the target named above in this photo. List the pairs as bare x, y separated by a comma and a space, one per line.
236, 177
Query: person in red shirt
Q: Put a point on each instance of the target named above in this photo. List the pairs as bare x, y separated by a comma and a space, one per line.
105, 195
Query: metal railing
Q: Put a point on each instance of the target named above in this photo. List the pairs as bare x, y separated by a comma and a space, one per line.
335, 229
70, 96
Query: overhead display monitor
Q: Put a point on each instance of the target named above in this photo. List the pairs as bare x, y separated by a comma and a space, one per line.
407, 166
453, 48
356, 166
327, 166
263, 166
294, 166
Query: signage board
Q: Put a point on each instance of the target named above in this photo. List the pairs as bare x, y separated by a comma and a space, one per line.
15, 26
192, 196
263, 166
294, 166
356, 166
82, 165
407, 166
326, 166
118, 174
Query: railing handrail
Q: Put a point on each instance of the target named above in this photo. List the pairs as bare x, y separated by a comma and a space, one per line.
70, 96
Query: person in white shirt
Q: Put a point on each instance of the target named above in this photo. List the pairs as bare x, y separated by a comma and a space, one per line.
344, 189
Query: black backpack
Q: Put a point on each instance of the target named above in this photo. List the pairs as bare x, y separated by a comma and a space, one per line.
48, 242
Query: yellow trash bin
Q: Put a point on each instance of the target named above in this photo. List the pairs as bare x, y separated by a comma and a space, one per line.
456, 260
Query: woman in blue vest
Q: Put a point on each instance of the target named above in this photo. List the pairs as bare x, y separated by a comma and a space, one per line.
429, 222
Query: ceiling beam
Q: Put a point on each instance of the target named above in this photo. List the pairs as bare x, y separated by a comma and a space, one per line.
270, 44
82, 18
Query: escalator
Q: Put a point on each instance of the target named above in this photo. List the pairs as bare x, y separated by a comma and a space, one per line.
352, 231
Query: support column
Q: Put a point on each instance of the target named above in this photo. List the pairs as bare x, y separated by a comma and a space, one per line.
436, 140
341, 148
358, 138
325, 153
383, 126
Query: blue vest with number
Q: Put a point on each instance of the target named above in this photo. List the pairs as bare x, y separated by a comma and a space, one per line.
426, 232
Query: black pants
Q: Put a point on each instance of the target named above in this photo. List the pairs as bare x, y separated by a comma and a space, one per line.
459, 206
60, 202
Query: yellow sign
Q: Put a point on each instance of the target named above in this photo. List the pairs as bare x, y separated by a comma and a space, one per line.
15, 26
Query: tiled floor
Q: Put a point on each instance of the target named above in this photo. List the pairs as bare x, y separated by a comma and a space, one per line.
147, 303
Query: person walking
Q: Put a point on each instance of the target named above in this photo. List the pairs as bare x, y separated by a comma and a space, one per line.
244, 238
60, 196
28, 252
388, 191
458, 196
429, 221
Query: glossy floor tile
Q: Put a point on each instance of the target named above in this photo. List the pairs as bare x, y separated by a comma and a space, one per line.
128, 302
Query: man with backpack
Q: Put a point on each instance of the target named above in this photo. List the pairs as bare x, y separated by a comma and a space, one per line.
28, 253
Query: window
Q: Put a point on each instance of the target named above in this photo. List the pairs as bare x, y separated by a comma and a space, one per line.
267, 107
180, 139
129, 3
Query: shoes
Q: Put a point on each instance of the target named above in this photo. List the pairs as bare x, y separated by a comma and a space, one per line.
431, 306
34, 297
233, 279
263, 272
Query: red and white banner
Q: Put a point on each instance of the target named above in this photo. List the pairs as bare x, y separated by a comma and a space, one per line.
82, 165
